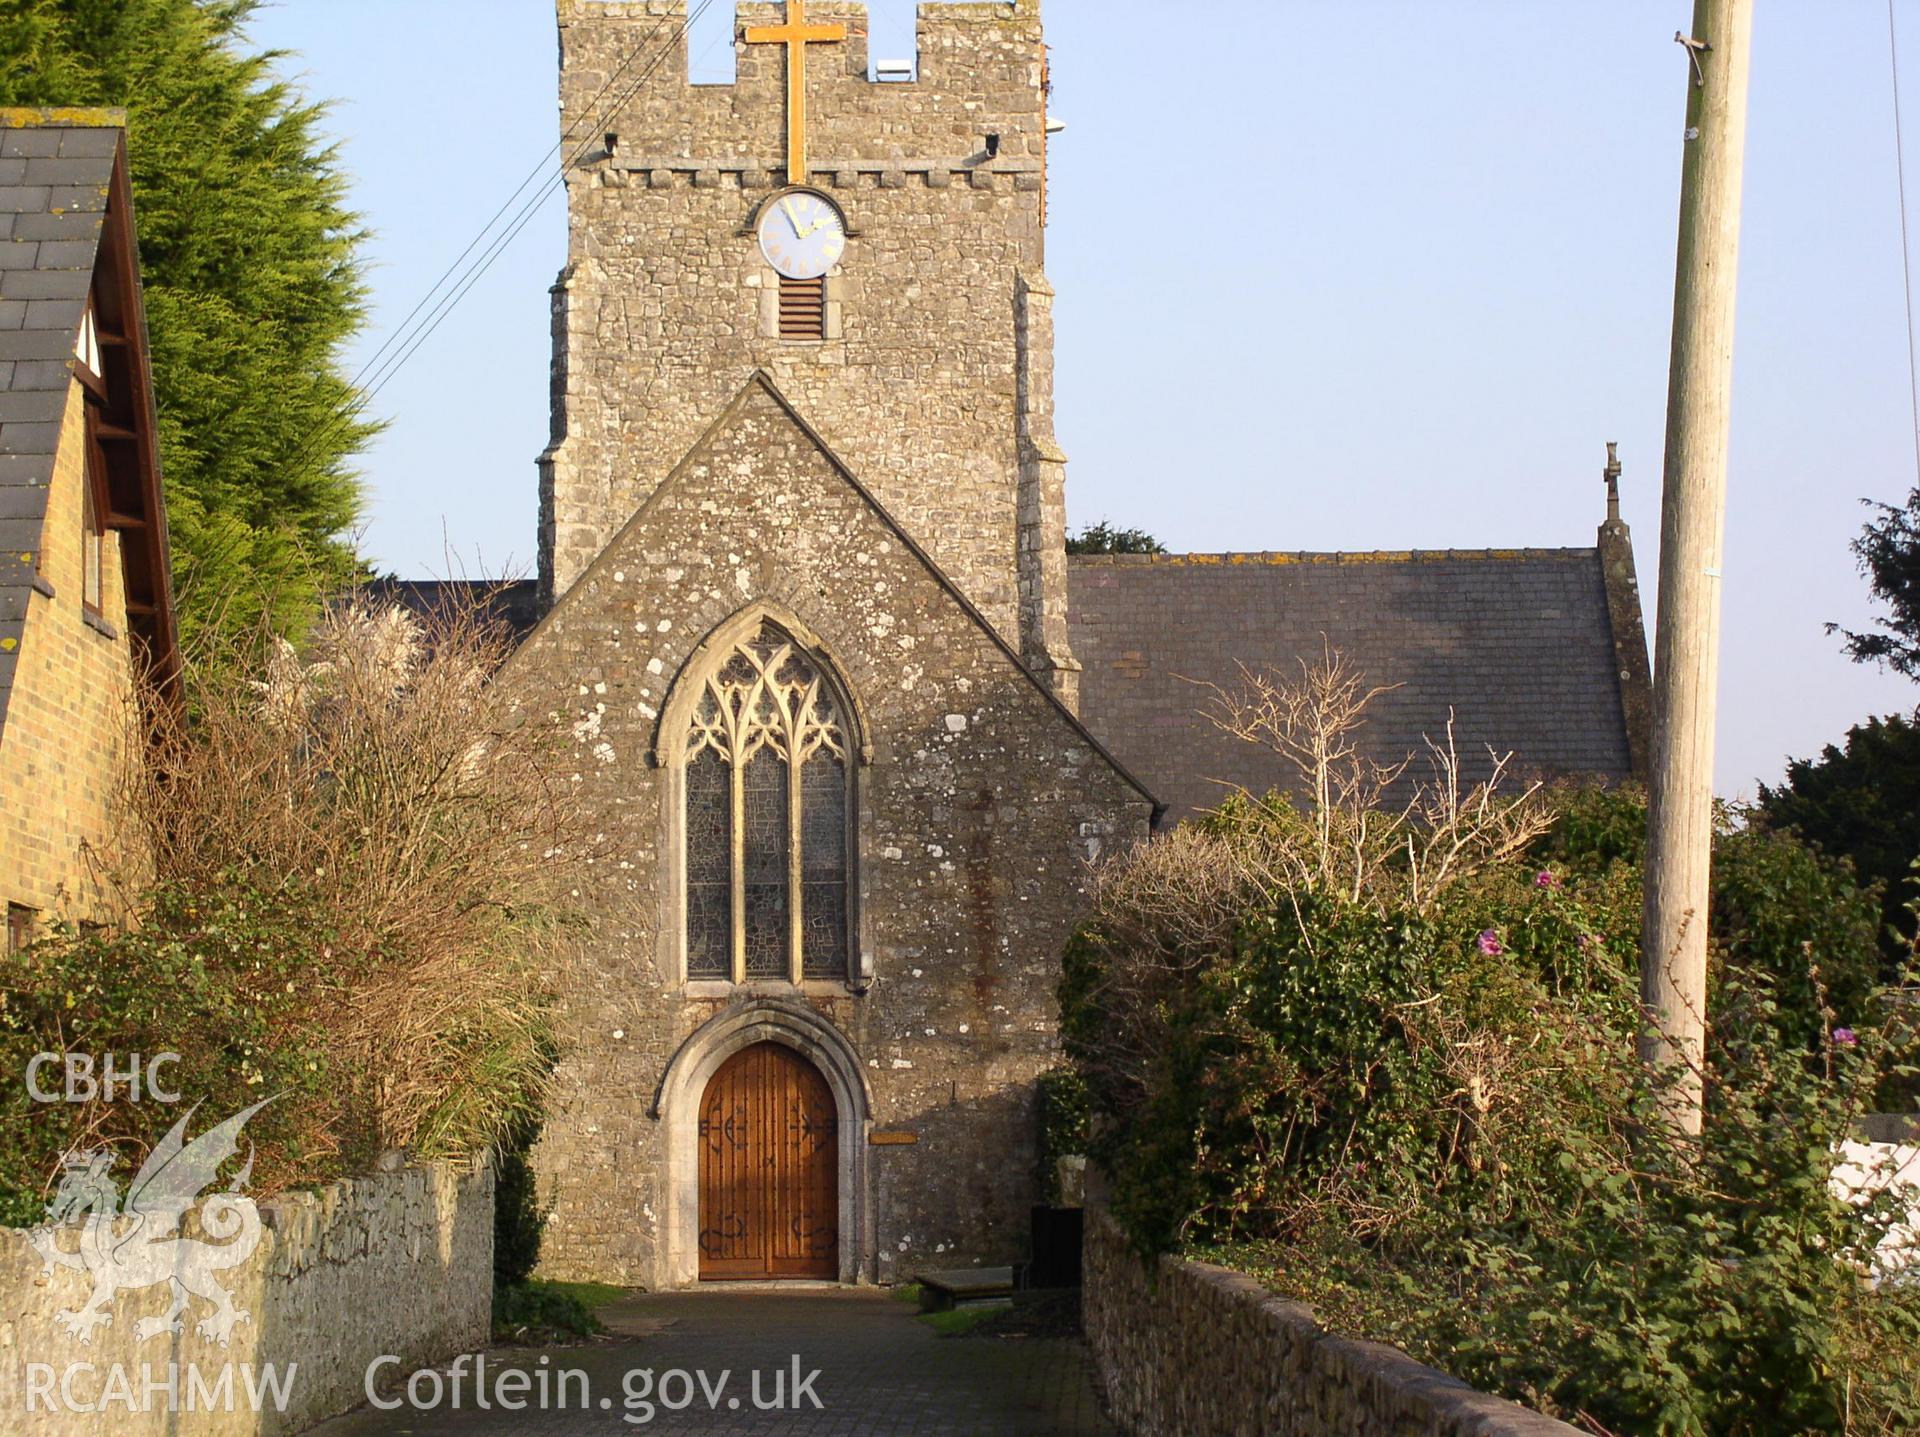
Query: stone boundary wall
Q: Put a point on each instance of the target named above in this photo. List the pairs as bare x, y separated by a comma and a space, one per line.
1197, 1351
396, 1263
1890, 1128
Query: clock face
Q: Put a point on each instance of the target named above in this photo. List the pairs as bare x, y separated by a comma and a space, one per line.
801, 235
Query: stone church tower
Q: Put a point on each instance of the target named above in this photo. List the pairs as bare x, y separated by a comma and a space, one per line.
806, 631
924, 354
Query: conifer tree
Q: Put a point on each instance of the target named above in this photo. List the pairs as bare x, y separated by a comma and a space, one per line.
1861, 800
252, 286
1889, 554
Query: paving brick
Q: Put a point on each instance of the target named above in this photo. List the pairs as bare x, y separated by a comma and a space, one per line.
883, 1373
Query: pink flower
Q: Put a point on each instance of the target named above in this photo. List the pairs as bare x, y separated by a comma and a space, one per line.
1546, 879
1589, 940
1845, 1038
1490, 944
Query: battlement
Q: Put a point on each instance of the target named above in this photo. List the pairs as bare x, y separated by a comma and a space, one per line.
934, 20
977, 94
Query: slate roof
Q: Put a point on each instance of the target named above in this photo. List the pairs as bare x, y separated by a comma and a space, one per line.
57, 169
514, 603
1518, 643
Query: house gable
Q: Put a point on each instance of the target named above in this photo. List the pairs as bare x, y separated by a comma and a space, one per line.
68, 260
85, 601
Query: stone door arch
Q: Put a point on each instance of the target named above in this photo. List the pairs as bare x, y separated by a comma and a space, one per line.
679, 1106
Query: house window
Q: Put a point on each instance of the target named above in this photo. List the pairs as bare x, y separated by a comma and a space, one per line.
768, 791
803, 308
19, 927
86, 346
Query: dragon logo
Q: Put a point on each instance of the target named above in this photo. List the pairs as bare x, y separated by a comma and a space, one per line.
140, 1245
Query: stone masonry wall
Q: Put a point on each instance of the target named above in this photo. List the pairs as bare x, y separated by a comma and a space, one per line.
1193, 1350
67, 722
397, 1263
924, 387
977, 812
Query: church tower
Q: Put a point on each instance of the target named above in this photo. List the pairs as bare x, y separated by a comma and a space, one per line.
875, 246
805, 644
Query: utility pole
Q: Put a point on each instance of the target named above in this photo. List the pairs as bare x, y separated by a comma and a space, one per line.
1673, 941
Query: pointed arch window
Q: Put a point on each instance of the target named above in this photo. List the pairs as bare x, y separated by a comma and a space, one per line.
769, 811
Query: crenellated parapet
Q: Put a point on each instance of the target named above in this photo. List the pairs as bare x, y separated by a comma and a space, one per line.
978, 83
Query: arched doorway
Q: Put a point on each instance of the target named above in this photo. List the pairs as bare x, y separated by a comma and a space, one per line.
769, 1167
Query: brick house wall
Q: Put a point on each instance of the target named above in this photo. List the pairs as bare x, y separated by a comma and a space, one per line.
64, 748
76, 422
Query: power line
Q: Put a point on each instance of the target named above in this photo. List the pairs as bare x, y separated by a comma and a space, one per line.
410, 345
1906, 242
375, 376
395, 337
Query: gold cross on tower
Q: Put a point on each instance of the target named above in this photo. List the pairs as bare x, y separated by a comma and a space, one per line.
796, 35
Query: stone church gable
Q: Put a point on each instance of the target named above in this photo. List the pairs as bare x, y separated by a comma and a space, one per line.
978, 802
800, 546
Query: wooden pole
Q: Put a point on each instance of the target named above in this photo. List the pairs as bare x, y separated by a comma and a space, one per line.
1673, 961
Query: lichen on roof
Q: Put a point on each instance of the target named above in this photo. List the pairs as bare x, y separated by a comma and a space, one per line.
1303, 556
72, 117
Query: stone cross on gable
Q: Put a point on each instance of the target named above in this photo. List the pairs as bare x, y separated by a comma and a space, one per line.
796, 34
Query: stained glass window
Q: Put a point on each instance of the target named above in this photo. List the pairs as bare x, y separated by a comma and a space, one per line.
767, 760
767, 844
823, 849
709, 867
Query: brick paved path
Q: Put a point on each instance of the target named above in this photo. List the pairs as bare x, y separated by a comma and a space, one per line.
882, 1374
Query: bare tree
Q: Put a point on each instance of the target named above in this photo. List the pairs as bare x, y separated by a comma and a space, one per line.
1372, 830
1366, 832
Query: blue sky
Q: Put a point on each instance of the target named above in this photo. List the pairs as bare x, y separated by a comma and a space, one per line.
1423, 271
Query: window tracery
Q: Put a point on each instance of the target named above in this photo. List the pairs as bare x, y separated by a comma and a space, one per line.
768, 814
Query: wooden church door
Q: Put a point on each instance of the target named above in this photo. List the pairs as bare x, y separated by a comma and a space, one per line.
769, 1149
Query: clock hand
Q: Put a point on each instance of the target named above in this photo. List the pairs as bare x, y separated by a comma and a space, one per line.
794, 219
823, 222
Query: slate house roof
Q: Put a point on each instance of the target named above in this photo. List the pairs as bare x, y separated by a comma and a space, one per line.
1521, 645
66, 237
